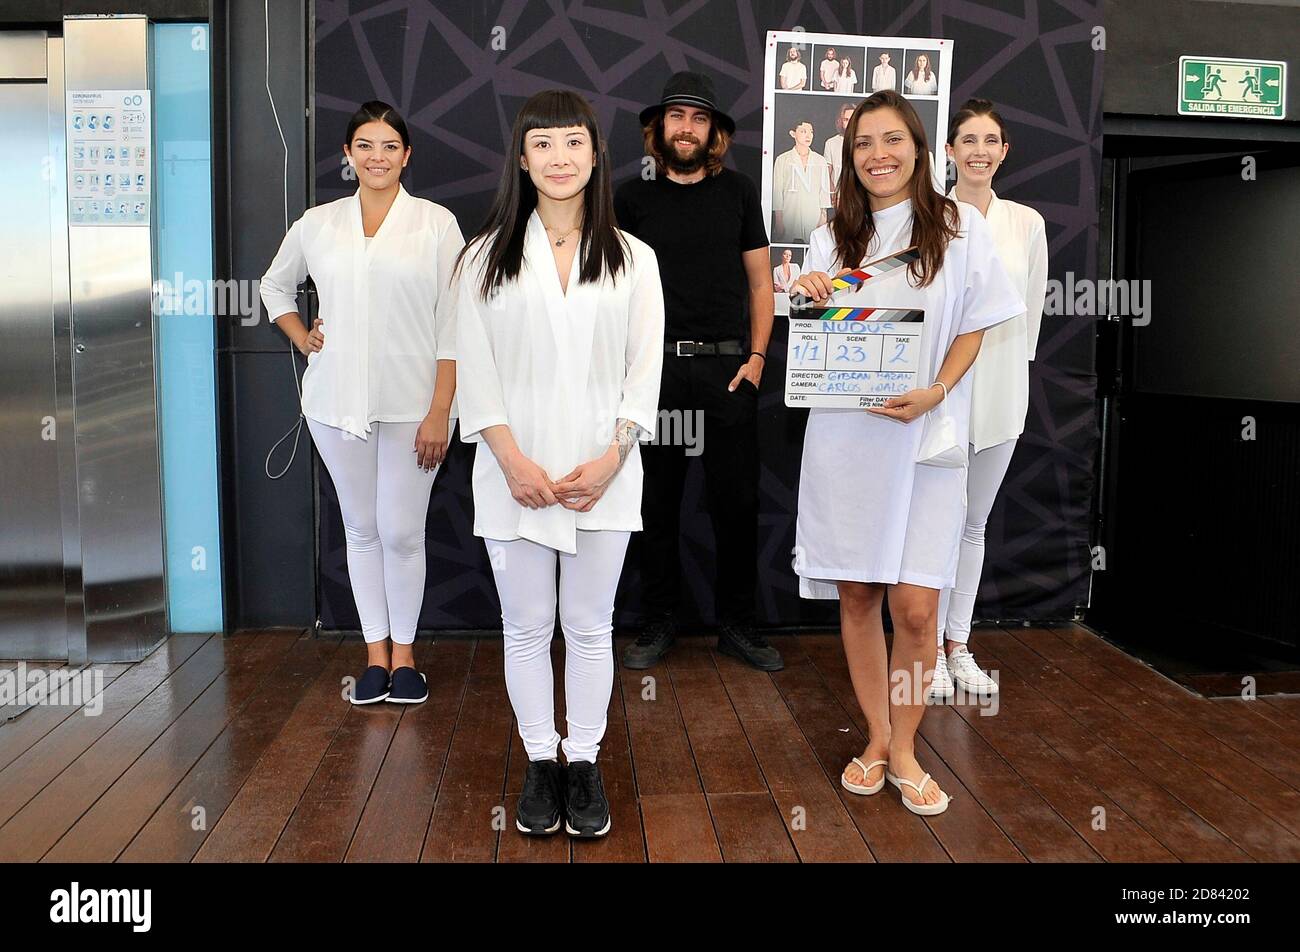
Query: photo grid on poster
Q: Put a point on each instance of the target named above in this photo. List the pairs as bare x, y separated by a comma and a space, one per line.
812, 83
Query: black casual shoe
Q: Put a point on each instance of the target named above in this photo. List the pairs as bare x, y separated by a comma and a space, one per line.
743, 642
586, 811
651, 645
372, 686
408, 687
538, 811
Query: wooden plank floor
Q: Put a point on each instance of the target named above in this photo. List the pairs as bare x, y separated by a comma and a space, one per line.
243, 748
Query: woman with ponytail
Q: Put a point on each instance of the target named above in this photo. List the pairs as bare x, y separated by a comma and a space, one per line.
977, 145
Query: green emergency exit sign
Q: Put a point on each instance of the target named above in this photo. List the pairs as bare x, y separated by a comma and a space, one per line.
1224, 86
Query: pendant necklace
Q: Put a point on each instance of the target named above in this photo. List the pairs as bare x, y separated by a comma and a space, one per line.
559, 242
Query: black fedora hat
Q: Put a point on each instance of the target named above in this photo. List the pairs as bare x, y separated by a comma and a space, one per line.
690, 89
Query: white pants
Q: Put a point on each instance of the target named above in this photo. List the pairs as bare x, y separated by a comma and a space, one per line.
988, 467
384, 496
525, 578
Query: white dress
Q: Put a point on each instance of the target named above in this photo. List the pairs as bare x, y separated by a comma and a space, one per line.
846, 84
388, 316
1000, 376
560, 369
867, 511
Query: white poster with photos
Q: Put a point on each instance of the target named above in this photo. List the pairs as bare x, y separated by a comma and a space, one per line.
812, 83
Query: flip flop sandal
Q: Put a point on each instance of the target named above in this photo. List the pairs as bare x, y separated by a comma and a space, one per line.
861, 788
921, 809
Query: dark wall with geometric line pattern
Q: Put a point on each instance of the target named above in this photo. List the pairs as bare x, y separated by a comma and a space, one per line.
436, 62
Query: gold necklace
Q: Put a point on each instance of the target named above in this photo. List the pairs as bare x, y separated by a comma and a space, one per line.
559, 242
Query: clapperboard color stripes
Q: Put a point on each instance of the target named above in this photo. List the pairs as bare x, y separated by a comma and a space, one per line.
853, 357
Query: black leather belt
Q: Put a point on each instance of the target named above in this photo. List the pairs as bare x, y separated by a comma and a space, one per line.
699, 348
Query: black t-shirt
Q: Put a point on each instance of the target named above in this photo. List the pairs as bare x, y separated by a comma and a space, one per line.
698, 232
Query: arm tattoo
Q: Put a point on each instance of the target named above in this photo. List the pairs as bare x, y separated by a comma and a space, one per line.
626, 434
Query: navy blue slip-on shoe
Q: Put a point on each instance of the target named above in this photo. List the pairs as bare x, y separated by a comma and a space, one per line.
371, 686
409, 687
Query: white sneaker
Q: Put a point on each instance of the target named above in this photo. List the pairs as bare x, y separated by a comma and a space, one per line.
941, 687
969, 674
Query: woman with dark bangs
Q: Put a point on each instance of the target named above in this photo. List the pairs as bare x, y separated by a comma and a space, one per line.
559, 351
876, 516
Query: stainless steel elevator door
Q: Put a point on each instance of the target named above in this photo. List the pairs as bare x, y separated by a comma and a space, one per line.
33, 616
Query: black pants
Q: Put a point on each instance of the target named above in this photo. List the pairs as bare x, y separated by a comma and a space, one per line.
728, 436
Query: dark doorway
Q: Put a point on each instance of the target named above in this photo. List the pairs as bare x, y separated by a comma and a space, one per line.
1199, 507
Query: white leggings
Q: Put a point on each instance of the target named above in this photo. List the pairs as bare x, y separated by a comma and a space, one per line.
957, 604
384, 496
525, 577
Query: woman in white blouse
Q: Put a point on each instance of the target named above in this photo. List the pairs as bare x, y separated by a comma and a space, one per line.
786, 273
977, 144
381, 375
921, 80
846, 78
560, 322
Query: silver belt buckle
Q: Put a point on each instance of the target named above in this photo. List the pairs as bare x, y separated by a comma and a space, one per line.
679, 347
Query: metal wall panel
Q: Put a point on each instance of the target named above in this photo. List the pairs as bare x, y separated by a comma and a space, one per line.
113, 378
32, 616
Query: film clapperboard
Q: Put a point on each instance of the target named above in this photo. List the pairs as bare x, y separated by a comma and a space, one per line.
853, 357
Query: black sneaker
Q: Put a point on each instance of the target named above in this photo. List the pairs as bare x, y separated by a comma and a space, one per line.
586, 810
408, 686
538, 811
743, 642
371, 687
651, 645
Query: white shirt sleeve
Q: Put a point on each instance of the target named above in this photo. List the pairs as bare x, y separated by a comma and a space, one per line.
821, 252
989, 297
479, 394
645, 346
1036, 290
444, 314
279, 286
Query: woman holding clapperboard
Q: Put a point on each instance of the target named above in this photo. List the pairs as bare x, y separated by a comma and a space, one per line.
559, 347
882, 491
977, 144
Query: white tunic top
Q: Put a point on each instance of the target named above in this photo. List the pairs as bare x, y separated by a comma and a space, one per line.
918, 85
833, 153
1000, 395
559, 369
793, 73
799, 193
867, 511
883, 77
829, 69
846, 83
388, 318
780, 280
